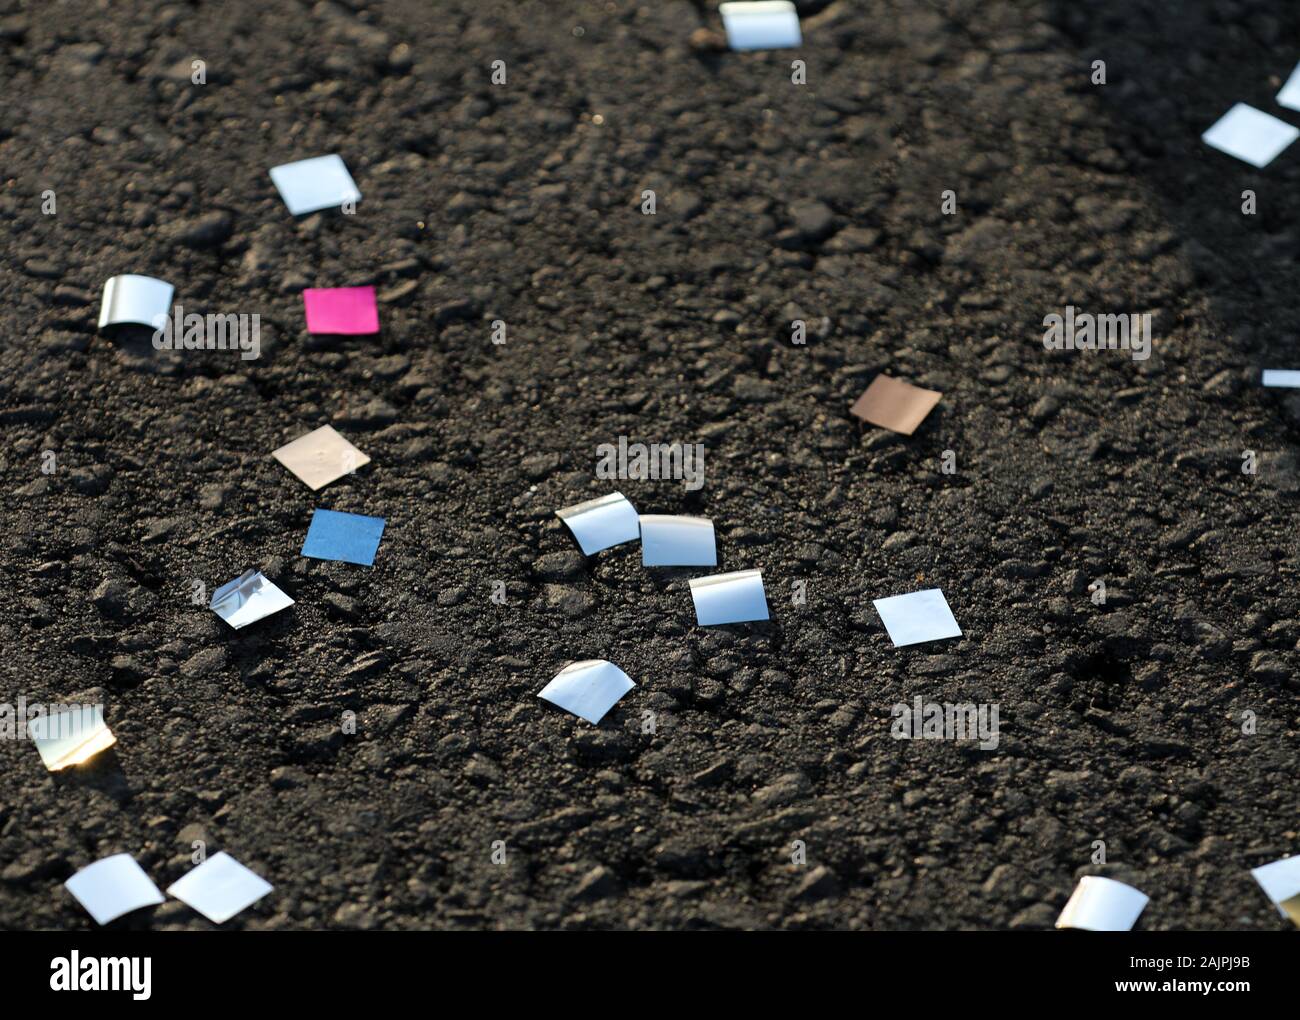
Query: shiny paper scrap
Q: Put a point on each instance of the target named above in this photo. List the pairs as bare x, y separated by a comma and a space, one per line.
729, 598
219, 888
1102, 904
761, 24
677, 541
895, 405
1281, 884
70, 737
1253, 136
600, 523
588, 689
142, 300
342, 311
346, 538
916, 617
320, 457
247, 599
313, 184
112, 887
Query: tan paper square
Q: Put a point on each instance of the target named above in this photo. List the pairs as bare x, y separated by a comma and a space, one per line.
320, 457
895, 405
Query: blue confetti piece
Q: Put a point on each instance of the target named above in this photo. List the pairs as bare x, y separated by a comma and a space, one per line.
348, 538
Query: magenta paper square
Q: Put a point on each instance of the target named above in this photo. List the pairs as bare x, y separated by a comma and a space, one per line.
345, 310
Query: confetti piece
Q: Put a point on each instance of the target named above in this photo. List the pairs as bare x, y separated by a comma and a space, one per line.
320, 457
1102, 904
219, 888
1281, 884
1290, 94
113, 887
71, 737
347, 538
895, 405
761, 24
312, 184
342, 311
1288, 377
675, 541
1251, 135
916, 617
588, 689
139, 299
600, 523
247, 599
729, 598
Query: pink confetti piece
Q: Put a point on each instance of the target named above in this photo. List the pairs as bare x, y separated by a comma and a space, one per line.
349, 311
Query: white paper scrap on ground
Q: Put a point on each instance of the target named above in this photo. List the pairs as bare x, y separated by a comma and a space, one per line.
320, 457
1102, 904
917, 616
1281, 377
113, 887
588, 689
729, 598
312, 184
1281, 884
247, 599
677, 541
70, 737
139, 299
1290, 94
1251, 135
219, 888
600, 523
761, 24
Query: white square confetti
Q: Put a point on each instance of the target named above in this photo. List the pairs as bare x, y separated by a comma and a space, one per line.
1102, 904
320, 457
1281, 884
729, 598
70, 737
1290, 94
588, 689
219, 888
677, 541
761, 24
600, 523
1288, 377
1251, 135
113, 887
142, 300
312, 184
247, 599
917, 616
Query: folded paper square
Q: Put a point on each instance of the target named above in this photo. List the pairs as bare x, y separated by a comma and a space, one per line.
346, 311
320, 457
600, 523
219, 888
916, 617
729, 598
348, 538
1253, 136
247, 599
1102, 904
311, 184
588, 689
70, 737
761, 24
1281, 884
895, 405
113, 887
139, 299
677, 541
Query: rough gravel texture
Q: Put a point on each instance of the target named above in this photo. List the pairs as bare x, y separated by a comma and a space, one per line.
1120, 722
